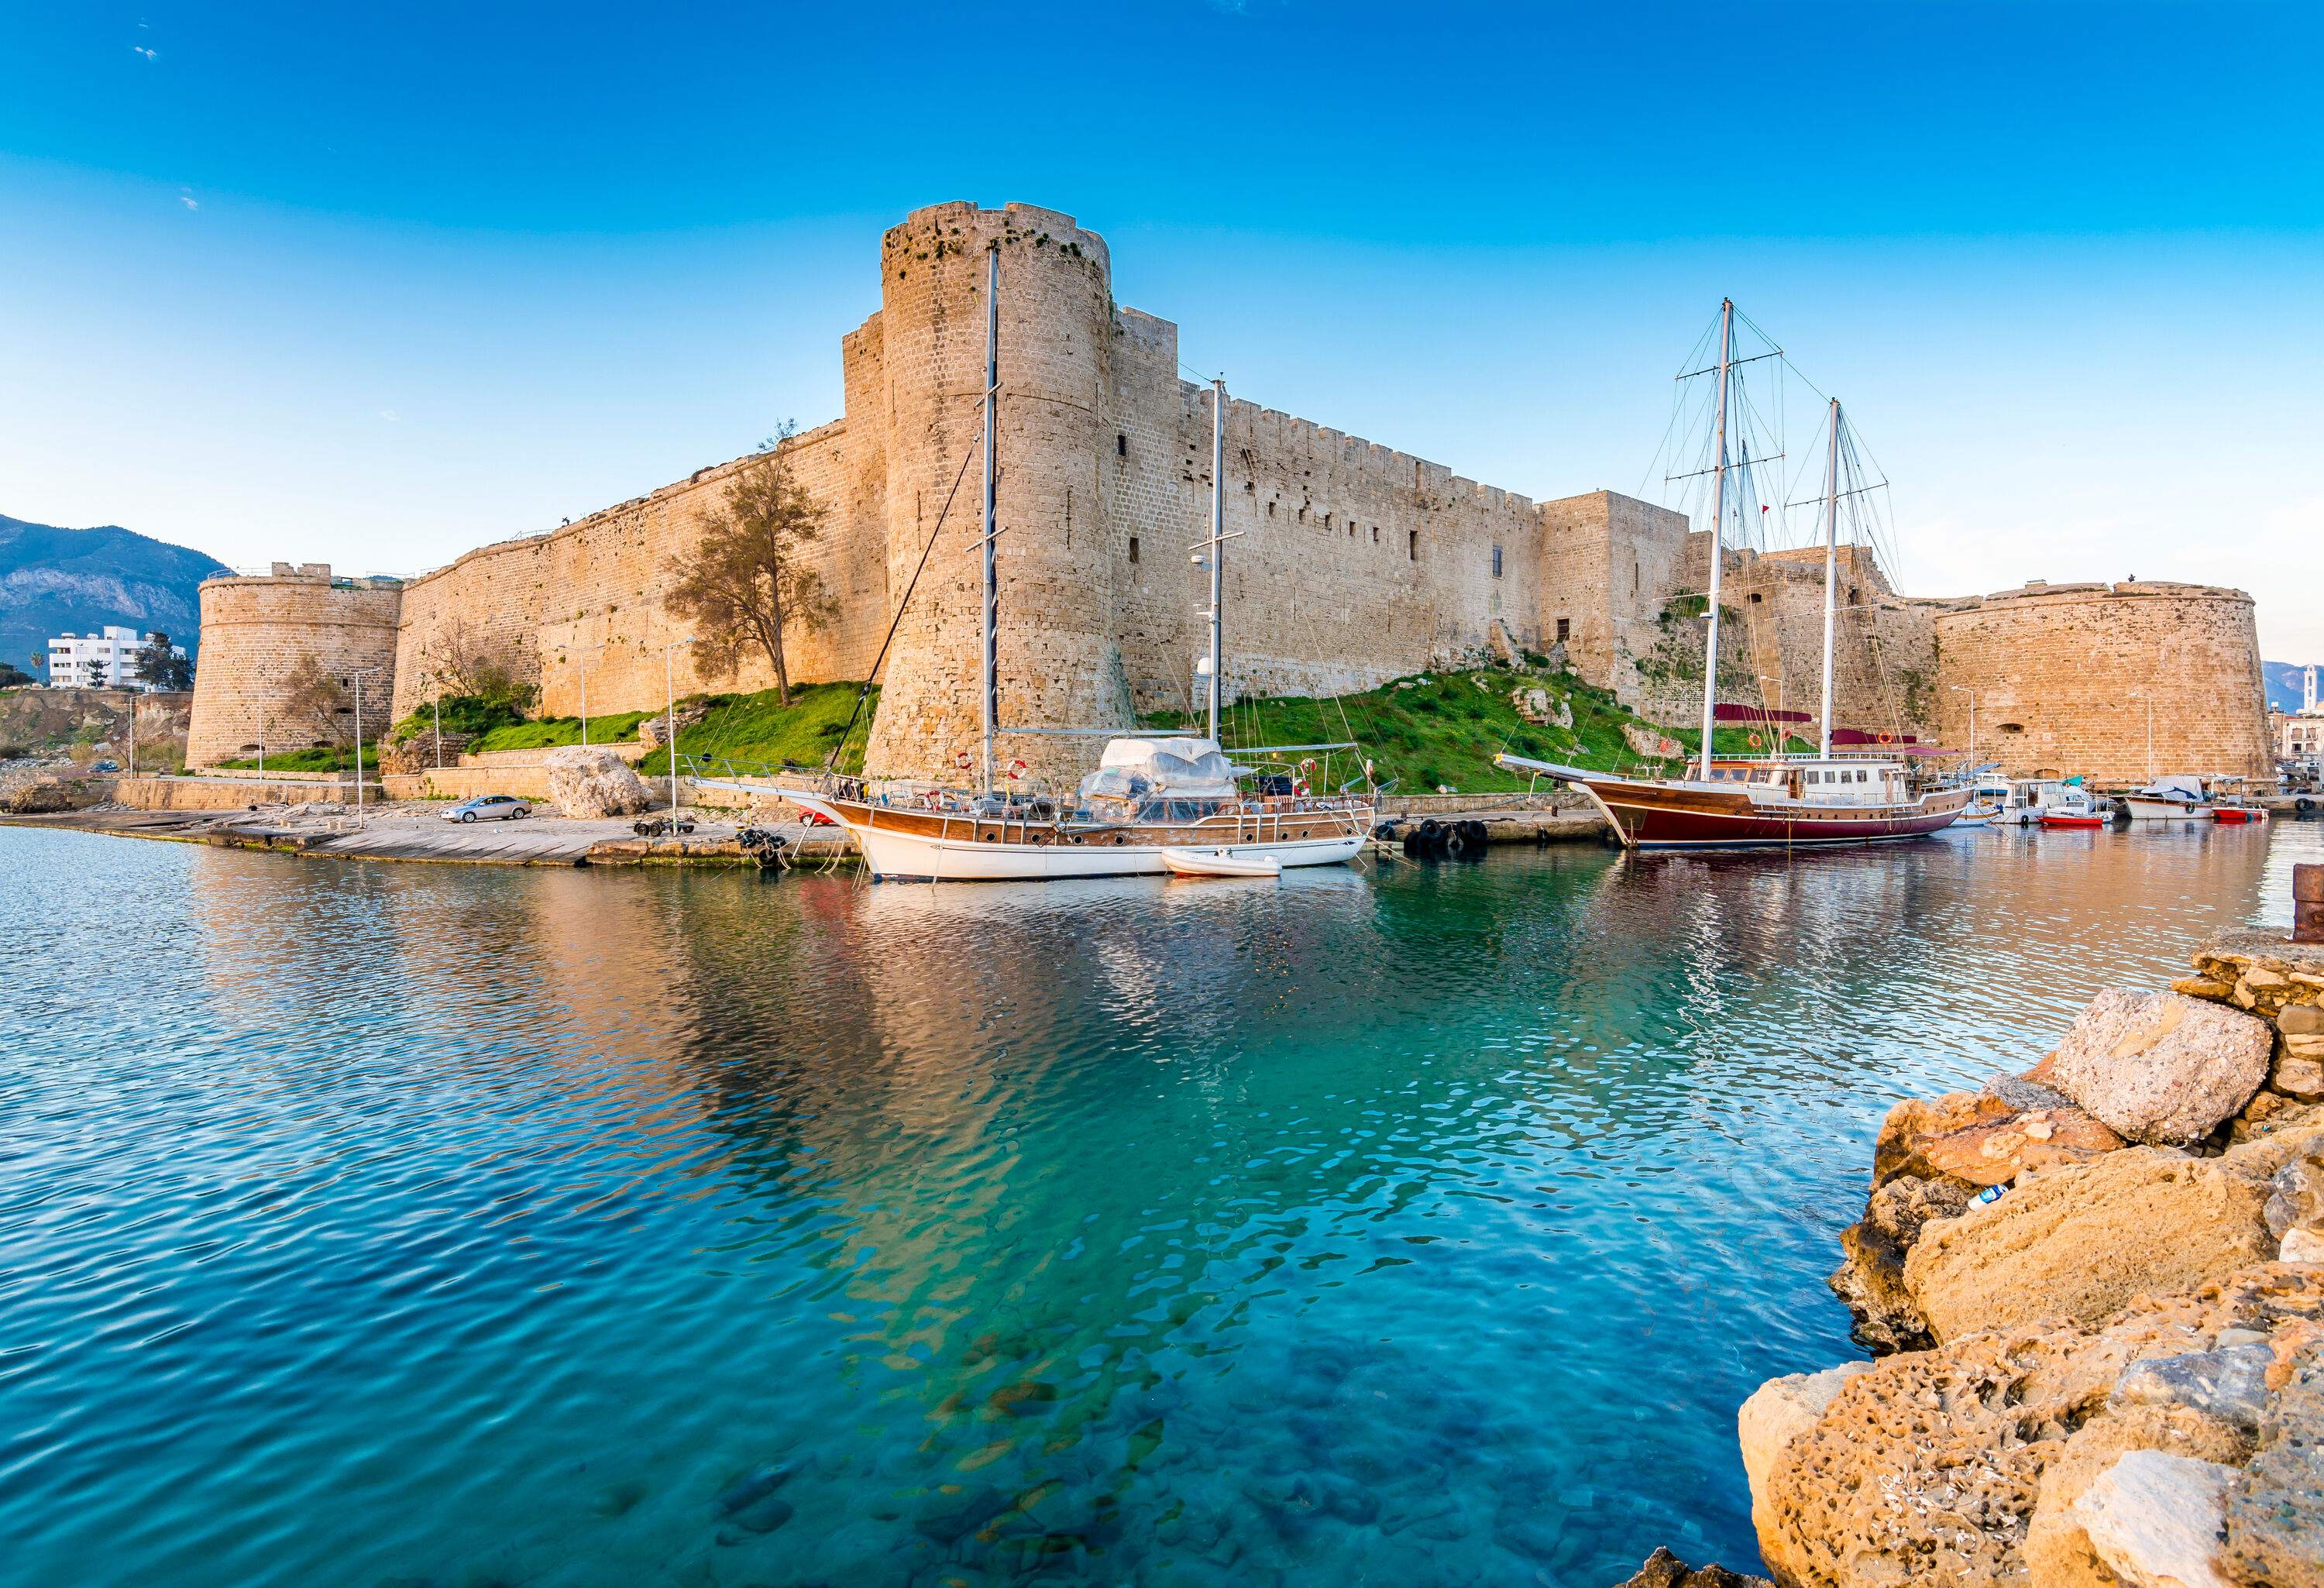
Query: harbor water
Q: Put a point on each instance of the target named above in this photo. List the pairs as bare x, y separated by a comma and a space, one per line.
1415, 1224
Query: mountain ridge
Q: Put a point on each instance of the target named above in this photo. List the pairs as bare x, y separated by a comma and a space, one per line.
55, 580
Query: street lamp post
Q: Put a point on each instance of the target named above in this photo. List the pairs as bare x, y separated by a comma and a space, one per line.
357, 679
669, 718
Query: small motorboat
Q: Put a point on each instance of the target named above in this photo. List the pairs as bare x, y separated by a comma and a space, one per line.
2240, 813
2072, 807
1220, 863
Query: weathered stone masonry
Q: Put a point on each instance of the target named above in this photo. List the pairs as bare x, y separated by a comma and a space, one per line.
1355, 563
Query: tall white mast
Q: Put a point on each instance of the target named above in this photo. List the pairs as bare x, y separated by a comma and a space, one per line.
1718, 529
990, 651
1218, 534
1831, 567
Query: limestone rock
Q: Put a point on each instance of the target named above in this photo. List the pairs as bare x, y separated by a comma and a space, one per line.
1916, 1122
595, 782
654, 731
41, 794
2276, 1510
1996, 1153
2085, 1239
2156, 1519
1664, 1570
1646, 743
2298, 1078
2228, 1384
1931, 1466
2302, 1246
2058, 1551
2295, 1192
1776, 1413
1870, 1280
2026, 1095
2300, 1020
2161, 1066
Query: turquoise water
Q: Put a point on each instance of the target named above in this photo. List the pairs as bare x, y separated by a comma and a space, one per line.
409, 1225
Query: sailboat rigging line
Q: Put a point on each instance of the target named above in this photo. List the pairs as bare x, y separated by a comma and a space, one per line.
1737, 363
861, 695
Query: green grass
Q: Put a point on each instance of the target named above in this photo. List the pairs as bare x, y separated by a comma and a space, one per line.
340, 757
549, 732
754, 728
1445, 728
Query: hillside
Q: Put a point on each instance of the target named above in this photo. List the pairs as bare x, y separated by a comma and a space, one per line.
55, 581
2284, 684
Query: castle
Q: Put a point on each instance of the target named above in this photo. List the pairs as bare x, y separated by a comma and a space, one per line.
1354, 563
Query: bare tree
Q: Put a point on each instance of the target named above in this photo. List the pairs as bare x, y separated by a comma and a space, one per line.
314, 701
747, 582
459, 658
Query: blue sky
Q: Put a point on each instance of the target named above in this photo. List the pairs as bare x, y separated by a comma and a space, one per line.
373, 285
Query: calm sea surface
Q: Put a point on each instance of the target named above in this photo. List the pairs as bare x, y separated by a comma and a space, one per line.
407, 1225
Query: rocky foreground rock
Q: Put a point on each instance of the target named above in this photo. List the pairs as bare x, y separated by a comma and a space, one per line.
593, 782
2110, 1372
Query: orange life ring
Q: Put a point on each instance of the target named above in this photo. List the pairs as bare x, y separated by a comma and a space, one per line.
1300, 788
1017, 769
1886, 738
1755, 741
964, 760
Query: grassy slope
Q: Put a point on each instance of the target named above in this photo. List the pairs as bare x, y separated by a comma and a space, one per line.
1444, 728
1433, 729
549, 732
753, 728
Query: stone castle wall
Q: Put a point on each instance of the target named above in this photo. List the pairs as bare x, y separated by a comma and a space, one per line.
2064, 674
256, 631
1352, 563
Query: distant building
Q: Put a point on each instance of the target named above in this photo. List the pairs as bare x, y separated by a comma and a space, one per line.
107, 658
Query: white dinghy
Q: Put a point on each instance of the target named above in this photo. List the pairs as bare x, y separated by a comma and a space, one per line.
1220, 863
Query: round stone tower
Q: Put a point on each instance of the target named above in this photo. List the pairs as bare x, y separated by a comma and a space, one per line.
1059, 664
258, 630
2119, 682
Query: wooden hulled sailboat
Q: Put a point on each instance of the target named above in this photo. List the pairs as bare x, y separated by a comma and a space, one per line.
1778, 802
1155, 805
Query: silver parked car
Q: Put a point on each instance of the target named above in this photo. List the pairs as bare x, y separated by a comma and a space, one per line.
489, 807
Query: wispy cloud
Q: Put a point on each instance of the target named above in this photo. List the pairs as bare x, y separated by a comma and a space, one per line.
389, 415
189, 201
148, 54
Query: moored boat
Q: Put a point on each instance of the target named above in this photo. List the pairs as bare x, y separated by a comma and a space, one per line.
1764, 805
2178, 797
1147, 799
2073, 807
1220, 863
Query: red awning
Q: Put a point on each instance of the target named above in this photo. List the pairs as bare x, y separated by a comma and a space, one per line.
1726, 712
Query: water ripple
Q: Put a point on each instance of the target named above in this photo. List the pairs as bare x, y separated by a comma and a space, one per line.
391, 1225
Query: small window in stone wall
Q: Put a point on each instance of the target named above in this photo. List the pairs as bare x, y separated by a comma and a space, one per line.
2013, 727
1270, 510
1327, 521
1497, 562
1755, 597
1133, 549
1564, 629
1412, 544
1376, 535
1121, 444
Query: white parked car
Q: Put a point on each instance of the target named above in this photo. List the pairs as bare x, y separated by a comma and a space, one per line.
489, 807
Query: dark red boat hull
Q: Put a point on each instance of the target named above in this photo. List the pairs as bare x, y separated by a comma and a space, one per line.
1651, 817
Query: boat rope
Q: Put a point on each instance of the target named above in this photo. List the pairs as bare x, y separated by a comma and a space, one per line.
872, 674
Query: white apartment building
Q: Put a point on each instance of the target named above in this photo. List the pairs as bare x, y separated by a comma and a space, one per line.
77, 661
